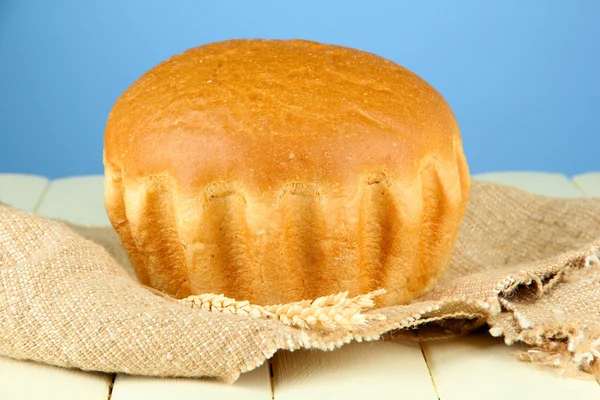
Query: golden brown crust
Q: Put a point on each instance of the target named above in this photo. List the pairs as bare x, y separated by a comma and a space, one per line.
280, 170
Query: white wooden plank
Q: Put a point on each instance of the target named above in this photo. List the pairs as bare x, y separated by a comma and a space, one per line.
378, 370
253, 385
25, 380
78, 200
22, 191
589, 183
547, 184
475, 366
29, 380
480, 367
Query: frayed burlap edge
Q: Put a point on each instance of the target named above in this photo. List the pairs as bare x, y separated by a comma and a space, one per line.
571, 345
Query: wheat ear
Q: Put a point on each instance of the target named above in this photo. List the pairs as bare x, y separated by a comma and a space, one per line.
336, 311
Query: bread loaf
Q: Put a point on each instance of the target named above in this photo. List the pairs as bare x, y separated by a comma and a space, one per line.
280, 170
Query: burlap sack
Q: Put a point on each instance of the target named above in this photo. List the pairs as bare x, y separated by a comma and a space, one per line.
526, 265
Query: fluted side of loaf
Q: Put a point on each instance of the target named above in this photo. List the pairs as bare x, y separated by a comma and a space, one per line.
300, 243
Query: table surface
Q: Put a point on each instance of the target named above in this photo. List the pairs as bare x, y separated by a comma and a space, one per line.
476, 366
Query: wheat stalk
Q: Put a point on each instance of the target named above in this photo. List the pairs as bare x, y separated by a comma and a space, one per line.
336, 311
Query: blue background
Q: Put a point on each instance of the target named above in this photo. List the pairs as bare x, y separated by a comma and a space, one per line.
521, 76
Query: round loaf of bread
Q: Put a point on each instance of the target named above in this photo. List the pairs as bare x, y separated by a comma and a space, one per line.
280, 170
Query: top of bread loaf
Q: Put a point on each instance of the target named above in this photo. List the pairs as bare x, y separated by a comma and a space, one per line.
269, 112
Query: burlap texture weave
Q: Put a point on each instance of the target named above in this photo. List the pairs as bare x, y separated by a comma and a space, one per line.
526, 265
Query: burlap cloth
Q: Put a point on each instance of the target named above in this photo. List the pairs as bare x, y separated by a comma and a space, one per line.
525, 265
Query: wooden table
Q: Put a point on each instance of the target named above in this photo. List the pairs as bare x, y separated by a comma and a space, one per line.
472, 367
